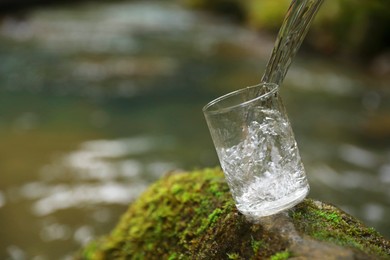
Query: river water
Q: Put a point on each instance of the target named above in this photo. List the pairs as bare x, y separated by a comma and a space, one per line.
98, 101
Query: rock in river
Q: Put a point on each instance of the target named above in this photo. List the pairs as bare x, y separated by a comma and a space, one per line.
192, 216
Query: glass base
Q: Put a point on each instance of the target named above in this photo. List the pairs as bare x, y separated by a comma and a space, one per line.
268, 208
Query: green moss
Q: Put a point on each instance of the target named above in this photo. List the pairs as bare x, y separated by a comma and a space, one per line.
173, 256
330, 216
214, 189
233, 256
211, 219
327, 223
192, 215
183, 214
256, 245
176, 188
280, 255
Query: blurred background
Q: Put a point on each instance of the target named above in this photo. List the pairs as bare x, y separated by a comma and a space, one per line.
98, 99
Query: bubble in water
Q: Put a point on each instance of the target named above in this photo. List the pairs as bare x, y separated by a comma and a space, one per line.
264, 171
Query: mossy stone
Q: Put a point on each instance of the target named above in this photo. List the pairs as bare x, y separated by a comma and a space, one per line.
192, 216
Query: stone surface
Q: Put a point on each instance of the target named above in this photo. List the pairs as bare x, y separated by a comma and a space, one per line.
192, 216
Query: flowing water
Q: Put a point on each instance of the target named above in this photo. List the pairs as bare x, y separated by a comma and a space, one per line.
97, 101
293, 31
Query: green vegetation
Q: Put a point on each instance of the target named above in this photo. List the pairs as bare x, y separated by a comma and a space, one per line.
233, 256
181, 216
327, 223
281, 255
256, 245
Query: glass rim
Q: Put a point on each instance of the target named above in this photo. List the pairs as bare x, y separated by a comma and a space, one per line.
206, 108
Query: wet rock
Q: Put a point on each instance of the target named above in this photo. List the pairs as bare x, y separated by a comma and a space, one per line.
192, 216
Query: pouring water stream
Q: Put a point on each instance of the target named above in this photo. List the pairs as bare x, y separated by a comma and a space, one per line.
293, 31
291, 35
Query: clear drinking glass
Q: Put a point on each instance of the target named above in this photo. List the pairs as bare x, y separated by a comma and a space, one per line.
257, 150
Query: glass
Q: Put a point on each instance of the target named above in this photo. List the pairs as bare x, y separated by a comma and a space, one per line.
257, 150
